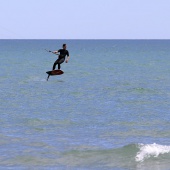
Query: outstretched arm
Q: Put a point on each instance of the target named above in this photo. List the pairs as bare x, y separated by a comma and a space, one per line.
55, 52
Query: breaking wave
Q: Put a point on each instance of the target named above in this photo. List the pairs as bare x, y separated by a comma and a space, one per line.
151, 150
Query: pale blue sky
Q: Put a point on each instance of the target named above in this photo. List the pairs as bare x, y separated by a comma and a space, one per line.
85, 19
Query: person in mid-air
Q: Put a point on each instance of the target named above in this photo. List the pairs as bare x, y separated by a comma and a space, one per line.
61, 58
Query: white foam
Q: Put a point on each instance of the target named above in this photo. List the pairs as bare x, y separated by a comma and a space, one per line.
148, 150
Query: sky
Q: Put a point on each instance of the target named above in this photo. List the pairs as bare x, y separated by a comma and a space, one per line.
84, 19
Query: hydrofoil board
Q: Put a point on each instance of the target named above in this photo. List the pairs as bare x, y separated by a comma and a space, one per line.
54, 73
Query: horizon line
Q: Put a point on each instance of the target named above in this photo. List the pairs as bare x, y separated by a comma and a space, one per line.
84, 39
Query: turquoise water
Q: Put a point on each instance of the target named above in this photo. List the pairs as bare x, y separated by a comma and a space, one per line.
109, 110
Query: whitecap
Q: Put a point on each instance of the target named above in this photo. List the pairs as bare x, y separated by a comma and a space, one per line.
151, 150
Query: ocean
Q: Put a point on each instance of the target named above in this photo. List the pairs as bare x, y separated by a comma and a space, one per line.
110, 110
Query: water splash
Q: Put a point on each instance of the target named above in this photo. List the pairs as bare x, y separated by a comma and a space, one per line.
149, 150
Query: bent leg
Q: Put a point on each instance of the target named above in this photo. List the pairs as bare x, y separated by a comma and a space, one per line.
59, 62
54, 65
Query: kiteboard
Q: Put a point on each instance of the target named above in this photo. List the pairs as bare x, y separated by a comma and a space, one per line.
54, 73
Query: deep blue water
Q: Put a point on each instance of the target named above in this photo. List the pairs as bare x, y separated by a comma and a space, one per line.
109, 110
